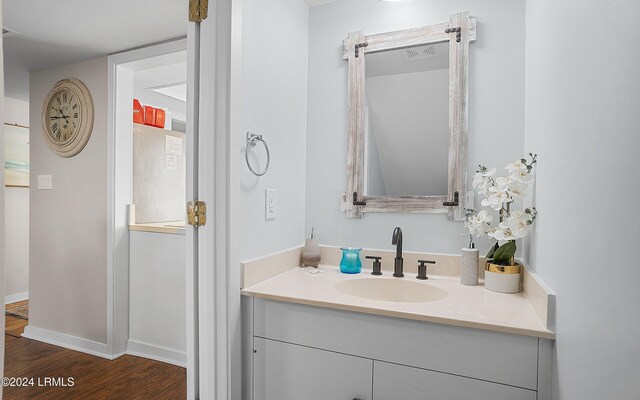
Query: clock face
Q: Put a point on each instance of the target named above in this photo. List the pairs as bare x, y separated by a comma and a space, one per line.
63, 116
67, 117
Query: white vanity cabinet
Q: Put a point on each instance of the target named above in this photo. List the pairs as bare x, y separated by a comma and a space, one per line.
399, 382
294, 351
284, 371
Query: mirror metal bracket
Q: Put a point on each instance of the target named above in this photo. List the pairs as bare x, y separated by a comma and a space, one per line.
356, 202
358, 44
455, 202
458, 32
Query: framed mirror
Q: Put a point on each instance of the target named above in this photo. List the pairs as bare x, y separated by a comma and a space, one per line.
407, 134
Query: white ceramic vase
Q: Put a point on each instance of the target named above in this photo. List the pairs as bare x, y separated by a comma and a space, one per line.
503, 279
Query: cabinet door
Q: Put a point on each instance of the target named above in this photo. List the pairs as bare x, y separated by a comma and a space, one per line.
397, 382
285, 371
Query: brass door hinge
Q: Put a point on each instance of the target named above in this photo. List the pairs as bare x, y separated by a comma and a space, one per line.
198, 10
197, 213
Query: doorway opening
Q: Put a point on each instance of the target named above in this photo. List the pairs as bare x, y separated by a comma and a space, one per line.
150, 143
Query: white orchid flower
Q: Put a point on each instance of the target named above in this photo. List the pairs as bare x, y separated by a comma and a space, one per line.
484, 216
516, 166
477, 223
522, 176
490, 172
496, 200
502, 184
482, 181
484, 186
501, 194
487, 172
516, 226
502, 234
516, 190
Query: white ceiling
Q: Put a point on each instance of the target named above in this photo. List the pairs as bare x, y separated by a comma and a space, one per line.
56, 33
312, 3
162, 82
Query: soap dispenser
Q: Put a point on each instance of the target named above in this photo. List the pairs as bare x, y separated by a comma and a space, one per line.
311, 251
469, 264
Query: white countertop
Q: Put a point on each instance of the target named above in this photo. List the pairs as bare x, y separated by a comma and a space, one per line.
466, 306
173, 228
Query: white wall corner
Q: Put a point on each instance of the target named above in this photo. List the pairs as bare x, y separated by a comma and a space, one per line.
68, 342
158, 353
13, 298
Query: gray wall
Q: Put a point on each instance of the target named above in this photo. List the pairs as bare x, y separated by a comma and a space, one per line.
16, 226
582, 119
274, 53
68, 226
496, 110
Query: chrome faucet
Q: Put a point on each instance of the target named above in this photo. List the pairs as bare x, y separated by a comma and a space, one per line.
397, 240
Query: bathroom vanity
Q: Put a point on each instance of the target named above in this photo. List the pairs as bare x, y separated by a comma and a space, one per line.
327, 336
324, 335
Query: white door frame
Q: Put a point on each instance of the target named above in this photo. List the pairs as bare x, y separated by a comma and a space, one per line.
220, 143
119, 193
213, 284
119, 159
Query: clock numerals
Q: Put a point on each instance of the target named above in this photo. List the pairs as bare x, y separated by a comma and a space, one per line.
64, 116
55, 128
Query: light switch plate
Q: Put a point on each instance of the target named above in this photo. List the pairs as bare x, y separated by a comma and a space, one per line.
45, 182
270, 204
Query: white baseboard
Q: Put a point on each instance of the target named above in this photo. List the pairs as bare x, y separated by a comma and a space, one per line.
68, 342
158, 353
12, 298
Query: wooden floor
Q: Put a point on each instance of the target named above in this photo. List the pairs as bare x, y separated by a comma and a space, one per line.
126, 377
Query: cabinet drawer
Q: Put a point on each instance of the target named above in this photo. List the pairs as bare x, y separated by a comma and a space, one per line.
496, 357
285, 371
397, 382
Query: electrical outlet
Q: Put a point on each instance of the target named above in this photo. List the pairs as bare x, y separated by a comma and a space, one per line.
45, 182
270, 204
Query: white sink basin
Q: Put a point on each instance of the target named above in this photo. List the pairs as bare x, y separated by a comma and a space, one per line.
391, 289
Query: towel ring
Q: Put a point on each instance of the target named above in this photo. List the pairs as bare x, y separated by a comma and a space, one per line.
252, 140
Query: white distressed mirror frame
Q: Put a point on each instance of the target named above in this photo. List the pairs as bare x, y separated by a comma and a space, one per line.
458, 115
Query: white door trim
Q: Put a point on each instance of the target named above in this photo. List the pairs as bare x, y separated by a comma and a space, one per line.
119, 152
193, 98
218, 185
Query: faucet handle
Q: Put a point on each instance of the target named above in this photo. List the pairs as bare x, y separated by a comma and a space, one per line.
422, 269
376, 264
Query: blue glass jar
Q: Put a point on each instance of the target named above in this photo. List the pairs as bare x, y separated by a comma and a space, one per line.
350, 263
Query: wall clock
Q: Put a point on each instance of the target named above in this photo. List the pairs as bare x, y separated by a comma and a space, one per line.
67, 117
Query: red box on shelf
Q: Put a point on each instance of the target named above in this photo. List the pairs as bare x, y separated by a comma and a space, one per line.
138, 112
149, 116
160, 117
